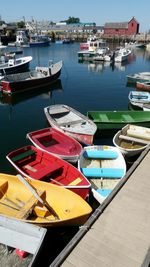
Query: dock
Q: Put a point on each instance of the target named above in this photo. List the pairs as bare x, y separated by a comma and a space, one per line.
118, 232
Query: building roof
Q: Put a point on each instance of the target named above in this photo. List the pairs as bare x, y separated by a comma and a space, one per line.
119, 25
116, 25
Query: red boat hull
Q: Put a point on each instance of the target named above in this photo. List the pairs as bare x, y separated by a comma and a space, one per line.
36, 164
56, 142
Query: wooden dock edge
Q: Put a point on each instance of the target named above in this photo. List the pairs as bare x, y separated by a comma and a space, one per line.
95, 215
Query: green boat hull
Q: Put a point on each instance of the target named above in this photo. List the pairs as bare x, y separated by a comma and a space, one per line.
106, 120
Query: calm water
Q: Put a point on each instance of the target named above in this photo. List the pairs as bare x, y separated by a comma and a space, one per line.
84, 86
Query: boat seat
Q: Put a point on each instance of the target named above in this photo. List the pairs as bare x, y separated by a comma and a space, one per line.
23, 155
104, 117
103, 172
43, 135
28, 207
128, 118
46, 171
62, 110
100, 154
71, 123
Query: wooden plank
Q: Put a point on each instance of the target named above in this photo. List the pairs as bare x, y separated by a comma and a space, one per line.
120, 235
132, 139
26, 210
69, 123
24, 236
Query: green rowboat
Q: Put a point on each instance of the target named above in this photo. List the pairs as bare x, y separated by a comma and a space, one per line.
118, 119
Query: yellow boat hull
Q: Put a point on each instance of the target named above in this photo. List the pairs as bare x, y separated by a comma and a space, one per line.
17, 201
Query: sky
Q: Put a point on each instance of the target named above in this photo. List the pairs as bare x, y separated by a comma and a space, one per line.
96, 11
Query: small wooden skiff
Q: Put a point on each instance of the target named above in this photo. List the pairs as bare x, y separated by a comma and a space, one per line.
17, 201
132, 139
33, 163
104, 166
56, 142
72, 122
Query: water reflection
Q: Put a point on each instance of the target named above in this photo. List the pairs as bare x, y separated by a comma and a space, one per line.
46, 92
101, 66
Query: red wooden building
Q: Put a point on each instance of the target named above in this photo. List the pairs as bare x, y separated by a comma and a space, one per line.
122, 28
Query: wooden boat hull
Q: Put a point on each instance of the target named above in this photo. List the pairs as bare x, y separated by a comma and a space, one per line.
26, 81
104, 166
117, 119
19, 65
36, 164
132, 139
145, 86
138, 98
55, 142
138, 77
72, 122
18, 202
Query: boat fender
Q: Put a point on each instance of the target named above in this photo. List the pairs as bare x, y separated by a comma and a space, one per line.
45, 73
100, 154
103, 172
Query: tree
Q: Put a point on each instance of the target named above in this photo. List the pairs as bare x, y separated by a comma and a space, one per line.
72, 20
21, 24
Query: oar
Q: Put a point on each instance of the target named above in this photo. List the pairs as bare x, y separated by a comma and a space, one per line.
34, 192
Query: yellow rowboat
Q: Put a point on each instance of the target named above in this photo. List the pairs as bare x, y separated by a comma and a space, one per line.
41, 203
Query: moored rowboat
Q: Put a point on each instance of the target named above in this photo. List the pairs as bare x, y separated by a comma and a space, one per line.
132, 139
55, 142
117, 119
72, 122
17, 201
33, 163
104, 166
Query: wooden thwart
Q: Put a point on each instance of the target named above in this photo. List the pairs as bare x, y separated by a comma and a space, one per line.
26, 210
132, 139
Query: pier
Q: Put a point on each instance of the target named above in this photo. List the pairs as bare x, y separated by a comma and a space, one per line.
118, 232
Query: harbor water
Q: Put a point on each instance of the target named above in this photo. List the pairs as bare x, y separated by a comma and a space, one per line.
83, 85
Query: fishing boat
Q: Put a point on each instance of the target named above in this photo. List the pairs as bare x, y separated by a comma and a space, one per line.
106, 120
104, 166
138, 77
72, 122
132, 139
122, 54
39, 203
23, 81
33, 163
39, 40
138, 98
55, 142
144, 86
13, 65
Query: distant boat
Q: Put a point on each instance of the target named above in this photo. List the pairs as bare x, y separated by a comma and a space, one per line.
138, 77
132, 139
41, 203
23, 81
72, 122
138, 98
122, 54
39, 40
14, 65
106, 120
103, 166
56, 142
33, 163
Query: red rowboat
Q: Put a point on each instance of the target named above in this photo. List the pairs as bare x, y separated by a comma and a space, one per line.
36, 164
55, 142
